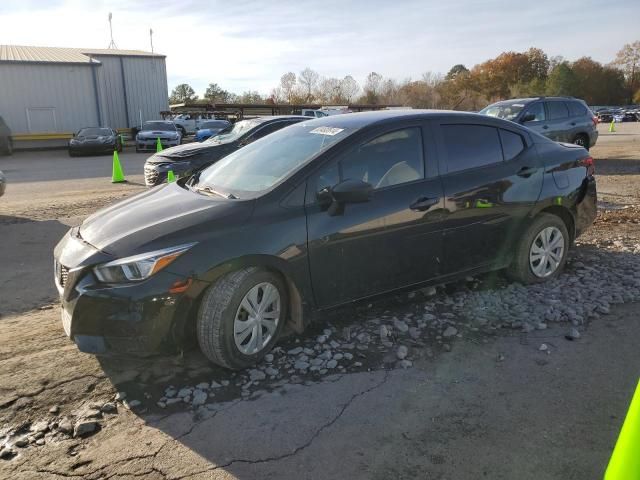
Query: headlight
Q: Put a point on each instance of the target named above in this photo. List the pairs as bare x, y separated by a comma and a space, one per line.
138, 267
73, 141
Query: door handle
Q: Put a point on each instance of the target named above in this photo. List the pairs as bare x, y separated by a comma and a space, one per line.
526, 171
424, 203
545, 126
573, 124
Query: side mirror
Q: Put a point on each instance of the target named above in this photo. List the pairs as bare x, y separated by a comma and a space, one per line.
352, 191
528, 117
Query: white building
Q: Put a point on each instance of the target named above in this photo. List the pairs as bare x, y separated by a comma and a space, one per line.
47, 93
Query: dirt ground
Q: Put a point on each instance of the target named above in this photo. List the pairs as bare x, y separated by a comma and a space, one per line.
485, 405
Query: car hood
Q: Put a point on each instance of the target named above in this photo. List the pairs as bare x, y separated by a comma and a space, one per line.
161, 217
189, 150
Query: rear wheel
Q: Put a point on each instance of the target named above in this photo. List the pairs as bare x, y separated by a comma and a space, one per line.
582, 140
241, 317
542, 251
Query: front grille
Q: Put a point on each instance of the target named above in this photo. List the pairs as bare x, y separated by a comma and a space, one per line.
150, 175
64, 275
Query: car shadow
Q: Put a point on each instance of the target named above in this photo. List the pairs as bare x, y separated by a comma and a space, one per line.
26, 276
230, 398
617, 166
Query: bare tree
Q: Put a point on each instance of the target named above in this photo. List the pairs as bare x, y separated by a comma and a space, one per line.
277, 95
372, 88
308, 81
349, 88
328, 90
288, 85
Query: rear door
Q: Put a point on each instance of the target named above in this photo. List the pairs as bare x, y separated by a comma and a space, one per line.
394, 239
558, 121
492, 178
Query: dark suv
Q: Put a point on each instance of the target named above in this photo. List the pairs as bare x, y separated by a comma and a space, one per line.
562, 119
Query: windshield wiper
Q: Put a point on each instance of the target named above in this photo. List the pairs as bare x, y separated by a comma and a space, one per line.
211, 191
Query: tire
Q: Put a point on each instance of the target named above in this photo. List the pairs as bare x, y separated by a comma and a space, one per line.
582, 140
71, 154
9, 150
183, 132
221, 305
521, 268
138, 149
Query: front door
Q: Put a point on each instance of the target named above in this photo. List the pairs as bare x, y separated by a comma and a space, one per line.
394, 239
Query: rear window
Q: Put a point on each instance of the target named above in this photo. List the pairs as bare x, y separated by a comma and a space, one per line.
471, 146
576, 109
557, 110
512, 144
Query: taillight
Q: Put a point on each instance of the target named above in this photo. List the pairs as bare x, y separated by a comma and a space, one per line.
595, 121
589, 164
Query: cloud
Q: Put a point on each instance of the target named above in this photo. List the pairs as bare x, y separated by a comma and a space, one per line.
248, 44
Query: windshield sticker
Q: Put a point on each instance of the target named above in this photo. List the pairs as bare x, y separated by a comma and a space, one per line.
331, 131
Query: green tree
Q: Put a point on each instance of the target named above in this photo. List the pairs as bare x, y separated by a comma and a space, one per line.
182, 93
562, 80
216, 94
455, 71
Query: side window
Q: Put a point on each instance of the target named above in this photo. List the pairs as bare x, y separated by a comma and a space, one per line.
264, 131
390, 159
576, 109
557, 110
512, 144
538, 110
471, 146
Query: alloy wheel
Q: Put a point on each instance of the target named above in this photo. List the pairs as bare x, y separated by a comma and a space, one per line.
257, 318
546, 252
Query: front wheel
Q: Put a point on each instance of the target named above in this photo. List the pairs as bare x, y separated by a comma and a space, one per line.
241, 317
542, 251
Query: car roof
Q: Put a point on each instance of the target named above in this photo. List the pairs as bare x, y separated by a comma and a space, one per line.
276, 117
363, 119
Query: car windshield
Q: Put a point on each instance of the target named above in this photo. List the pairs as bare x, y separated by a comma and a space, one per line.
506, 111
100, 132
163, 126
270, 160
239, 129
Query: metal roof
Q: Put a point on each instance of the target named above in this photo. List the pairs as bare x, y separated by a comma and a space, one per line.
19, 53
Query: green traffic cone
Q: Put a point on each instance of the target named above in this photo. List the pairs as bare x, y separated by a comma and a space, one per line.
625, 462
170, 176
612, 127
117, 176
158, 145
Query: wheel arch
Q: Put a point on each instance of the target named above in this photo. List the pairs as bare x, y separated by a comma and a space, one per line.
565, 215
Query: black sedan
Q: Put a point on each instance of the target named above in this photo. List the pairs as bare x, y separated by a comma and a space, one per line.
183, 160
317, 215
91, 140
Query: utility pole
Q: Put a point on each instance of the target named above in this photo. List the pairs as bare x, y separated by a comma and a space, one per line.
151, 38
112, 44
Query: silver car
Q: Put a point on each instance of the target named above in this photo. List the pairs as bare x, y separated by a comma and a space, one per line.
166, 131
562, 119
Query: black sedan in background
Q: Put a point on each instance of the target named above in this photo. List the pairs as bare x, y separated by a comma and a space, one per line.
94, 140
317, 215
187, 159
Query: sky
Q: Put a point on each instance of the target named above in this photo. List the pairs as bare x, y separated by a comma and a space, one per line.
247, 44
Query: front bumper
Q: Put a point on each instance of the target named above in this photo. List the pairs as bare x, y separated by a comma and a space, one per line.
85, 148
152, 143
141, 318
155, 174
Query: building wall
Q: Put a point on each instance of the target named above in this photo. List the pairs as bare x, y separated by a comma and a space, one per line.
141, 82
46, 98
61, 98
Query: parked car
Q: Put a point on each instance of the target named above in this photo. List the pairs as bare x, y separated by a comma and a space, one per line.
563, 119
94, 140
309, 112
605, 117
209, 128
165, 130
629, 116
3, 183
317, 215
186, 159
6, 142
